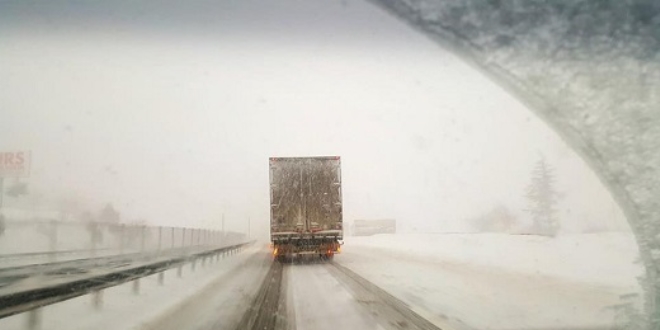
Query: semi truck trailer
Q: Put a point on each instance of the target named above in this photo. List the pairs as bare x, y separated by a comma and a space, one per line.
305, 206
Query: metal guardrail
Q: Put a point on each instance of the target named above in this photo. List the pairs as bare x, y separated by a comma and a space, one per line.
54, 239
47, 253
101, 260
34, 298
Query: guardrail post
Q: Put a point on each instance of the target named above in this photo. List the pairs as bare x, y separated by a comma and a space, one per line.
97, 299
179, 272
183, 237
160, 237
122, 232
199, 236
143, 232
161, 278
94, 232
34, 319
192, 264
192, 231
172, 243
136, 286
52, 241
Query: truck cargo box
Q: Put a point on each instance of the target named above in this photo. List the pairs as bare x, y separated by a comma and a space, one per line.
305, 204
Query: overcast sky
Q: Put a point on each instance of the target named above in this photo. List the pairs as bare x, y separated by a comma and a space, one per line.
170, 112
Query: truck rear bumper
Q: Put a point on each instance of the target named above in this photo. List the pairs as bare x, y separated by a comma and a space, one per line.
304, 247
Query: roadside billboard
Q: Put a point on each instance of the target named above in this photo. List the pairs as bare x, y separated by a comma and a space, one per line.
15, 164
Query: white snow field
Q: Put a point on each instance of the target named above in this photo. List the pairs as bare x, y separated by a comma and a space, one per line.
498, 281
608, 258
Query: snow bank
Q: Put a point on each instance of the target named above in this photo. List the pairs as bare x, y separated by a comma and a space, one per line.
608, 259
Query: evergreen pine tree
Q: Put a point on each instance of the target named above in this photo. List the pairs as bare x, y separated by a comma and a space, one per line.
542, 198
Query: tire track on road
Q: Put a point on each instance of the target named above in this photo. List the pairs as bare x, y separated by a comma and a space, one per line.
266, 310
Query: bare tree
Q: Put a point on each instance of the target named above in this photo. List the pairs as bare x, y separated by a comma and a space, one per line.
109, 215
499, 219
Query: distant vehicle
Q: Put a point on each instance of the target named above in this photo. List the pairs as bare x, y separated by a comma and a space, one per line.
373, 227
305, 206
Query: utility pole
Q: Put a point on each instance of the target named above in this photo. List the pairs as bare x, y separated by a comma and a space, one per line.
2, 192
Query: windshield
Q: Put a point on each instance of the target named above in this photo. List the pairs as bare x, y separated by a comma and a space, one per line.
328, 164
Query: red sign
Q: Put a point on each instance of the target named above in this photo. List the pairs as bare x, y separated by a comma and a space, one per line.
15, 164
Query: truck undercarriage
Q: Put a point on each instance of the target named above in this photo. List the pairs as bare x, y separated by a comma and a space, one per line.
298, 246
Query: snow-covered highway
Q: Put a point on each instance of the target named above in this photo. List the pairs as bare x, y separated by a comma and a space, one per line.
381, 282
